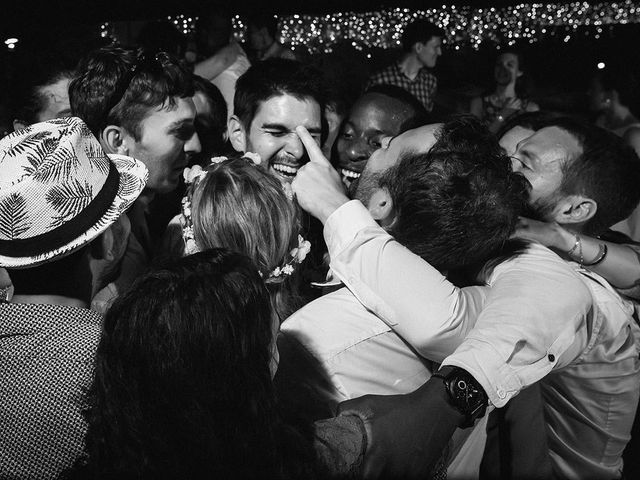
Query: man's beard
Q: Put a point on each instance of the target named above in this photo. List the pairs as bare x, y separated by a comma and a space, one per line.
541, 209
362, 189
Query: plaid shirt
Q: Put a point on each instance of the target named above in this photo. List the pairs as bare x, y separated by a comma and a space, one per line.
423, 87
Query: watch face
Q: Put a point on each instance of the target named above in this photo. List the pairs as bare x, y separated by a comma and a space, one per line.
467, 395
464, 391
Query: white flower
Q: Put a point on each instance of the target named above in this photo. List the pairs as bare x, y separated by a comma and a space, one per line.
254, 157
303, 249
190, 247
288, 191
276, 272
219, 159
187, 232
287, 269
193, 173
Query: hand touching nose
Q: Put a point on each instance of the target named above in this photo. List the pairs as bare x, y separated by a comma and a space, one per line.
317, 185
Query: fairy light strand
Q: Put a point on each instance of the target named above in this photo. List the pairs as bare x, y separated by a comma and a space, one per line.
465, 26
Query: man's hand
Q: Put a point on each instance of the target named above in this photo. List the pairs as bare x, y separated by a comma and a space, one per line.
406, 433
548, 234
317, 185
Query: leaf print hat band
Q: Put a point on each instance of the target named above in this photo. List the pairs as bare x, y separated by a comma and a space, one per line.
59, 191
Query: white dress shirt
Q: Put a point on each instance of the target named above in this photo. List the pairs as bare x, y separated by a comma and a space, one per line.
363, 355
540, 315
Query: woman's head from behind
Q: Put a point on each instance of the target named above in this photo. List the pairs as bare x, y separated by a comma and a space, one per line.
239, 206
182, 370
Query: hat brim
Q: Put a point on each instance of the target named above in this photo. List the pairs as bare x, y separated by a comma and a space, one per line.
133, 179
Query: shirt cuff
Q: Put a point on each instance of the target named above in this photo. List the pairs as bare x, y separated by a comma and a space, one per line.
343, 225
499, 380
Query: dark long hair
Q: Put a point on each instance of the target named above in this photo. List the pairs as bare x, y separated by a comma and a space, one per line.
182, 384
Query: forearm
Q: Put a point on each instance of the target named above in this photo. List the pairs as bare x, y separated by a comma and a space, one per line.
406, 434
438, 417
533, 321
620, 264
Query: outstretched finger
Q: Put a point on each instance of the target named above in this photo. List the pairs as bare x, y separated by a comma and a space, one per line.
313, 149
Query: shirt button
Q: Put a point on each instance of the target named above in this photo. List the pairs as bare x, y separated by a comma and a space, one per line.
501, 393
551, 357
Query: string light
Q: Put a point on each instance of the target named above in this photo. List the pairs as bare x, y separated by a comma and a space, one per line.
107, 31
464, 26
11, 43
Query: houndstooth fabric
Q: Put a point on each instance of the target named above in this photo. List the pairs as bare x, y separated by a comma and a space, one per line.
46, 365
423, 87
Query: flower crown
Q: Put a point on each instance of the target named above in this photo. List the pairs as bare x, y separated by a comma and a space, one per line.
297, 256
194, 175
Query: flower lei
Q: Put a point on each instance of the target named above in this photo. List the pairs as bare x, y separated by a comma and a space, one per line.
196, 173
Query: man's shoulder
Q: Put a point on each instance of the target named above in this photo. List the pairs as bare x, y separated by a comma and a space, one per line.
37, 313
68, 331
543, 277
427, 75
333, 323
609, 302
390, 71
536, 258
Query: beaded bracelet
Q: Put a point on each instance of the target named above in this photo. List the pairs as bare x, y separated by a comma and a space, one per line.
580, 249
602, 252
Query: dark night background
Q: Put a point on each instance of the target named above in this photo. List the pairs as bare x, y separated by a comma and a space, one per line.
559, 71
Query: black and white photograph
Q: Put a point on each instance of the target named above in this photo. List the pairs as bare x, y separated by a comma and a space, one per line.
357, 239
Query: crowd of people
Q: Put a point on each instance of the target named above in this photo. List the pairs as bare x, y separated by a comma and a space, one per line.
217, 266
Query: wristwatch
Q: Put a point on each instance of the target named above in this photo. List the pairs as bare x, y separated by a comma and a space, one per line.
464, 393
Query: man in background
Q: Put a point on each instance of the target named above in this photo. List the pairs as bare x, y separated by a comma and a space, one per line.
421, 45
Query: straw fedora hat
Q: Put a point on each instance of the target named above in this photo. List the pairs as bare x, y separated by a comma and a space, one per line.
59, 191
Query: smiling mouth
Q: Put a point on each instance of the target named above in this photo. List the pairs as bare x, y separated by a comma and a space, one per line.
351, 175
287, 171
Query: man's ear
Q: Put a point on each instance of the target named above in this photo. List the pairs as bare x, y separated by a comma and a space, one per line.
19, 125
114, 140
237, 134
418, 46
381, 207
575, 209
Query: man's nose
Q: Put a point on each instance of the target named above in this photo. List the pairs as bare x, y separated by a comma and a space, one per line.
193, 144
359, 150
294, 146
